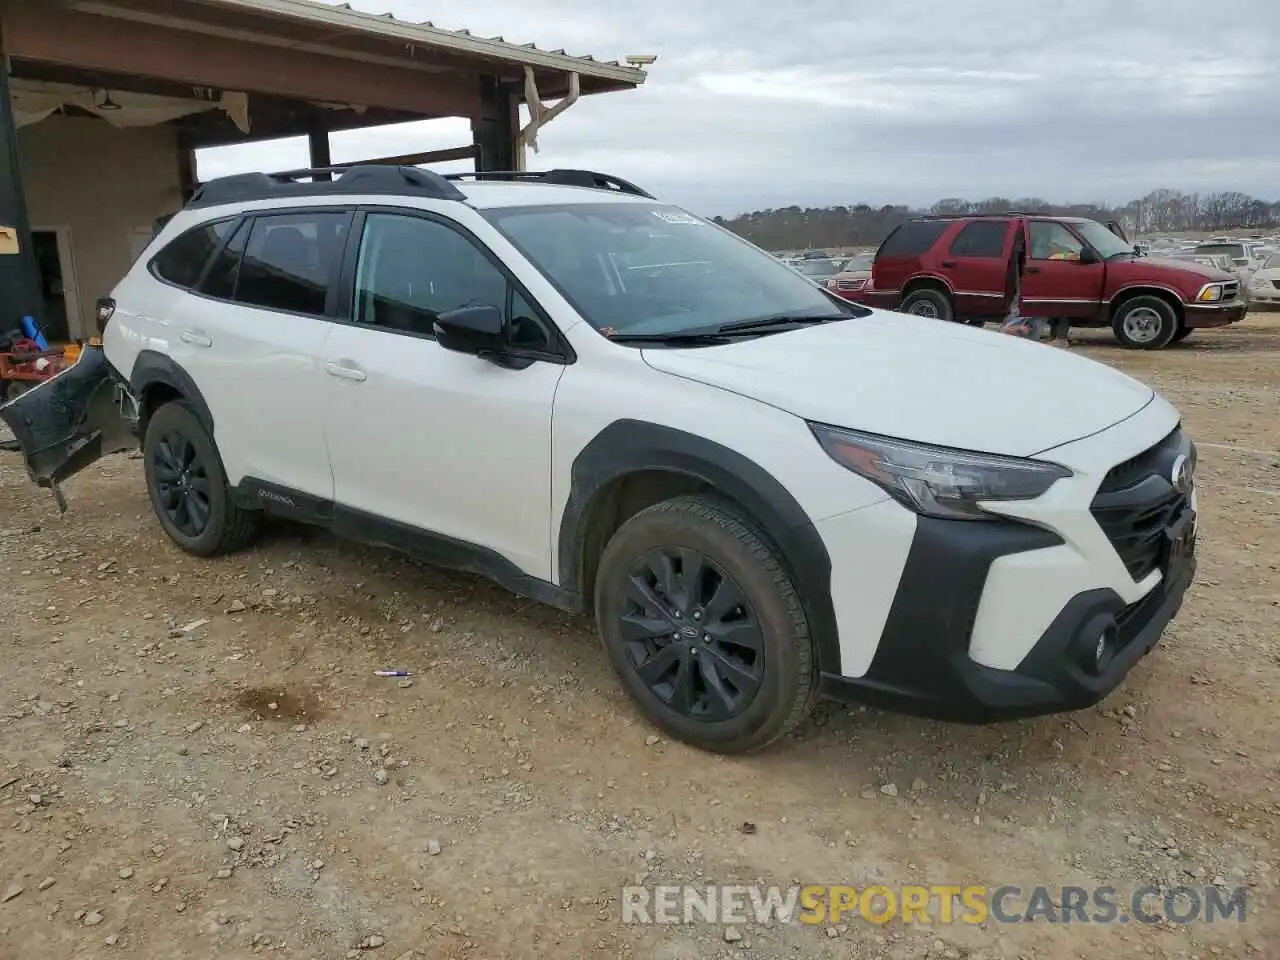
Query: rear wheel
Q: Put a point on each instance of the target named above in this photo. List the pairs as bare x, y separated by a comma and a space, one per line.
188, 487
1145, 323
928, 302
704, 626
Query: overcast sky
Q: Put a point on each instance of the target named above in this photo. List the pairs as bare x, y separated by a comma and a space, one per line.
755, 103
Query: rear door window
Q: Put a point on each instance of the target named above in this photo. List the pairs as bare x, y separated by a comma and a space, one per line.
980, 238
290, 261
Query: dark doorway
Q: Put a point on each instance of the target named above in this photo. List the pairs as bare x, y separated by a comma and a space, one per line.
53, 291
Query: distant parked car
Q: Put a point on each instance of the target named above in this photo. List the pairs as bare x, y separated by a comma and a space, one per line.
955, 268
1241, 253
1264, 285
815, 269
853, 275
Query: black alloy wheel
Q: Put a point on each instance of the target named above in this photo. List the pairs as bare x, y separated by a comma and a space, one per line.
182, 483
691, 634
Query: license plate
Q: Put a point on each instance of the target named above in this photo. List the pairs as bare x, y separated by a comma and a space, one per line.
1180, 544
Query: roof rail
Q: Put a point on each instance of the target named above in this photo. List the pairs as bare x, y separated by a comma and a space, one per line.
979, 216
311, 182
568, 178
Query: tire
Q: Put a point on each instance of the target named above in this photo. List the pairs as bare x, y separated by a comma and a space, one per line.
728, 552
927, 302
1145, 323
976, 322
206, 523
1183, 333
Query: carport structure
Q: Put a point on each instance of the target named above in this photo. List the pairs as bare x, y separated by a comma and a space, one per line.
105, 101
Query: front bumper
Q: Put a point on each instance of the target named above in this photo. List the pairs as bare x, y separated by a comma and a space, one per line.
1217, 315
982, 621
923, 666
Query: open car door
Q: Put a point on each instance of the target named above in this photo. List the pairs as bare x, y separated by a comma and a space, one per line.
72, 419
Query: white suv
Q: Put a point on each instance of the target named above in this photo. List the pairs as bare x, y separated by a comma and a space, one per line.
764, 493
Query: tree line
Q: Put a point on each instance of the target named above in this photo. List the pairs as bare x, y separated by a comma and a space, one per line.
1161, 211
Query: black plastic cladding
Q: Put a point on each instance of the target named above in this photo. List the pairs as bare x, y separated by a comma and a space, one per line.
383, 180
633, 446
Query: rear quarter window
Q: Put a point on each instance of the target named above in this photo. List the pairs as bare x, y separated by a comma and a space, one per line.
913, 239
183, 259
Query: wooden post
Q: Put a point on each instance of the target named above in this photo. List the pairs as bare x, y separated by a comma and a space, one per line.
496, 129
19, 272
318, 144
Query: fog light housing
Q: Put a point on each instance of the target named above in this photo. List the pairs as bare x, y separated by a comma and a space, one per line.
1096, 644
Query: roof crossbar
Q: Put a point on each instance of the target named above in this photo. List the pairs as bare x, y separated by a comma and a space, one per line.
364, 178
568, 178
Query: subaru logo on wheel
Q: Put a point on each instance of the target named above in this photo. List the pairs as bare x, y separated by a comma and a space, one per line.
1181, 475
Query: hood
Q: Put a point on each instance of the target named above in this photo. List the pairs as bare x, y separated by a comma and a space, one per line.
1205, 272
920, 379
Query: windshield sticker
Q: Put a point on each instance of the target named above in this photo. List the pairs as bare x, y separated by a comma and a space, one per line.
675, 216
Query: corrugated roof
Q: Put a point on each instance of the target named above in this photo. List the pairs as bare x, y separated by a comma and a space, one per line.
427, 34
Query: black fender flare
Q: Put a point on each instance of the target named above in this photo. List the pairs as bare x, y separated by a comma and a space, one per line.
151, 368
633, 446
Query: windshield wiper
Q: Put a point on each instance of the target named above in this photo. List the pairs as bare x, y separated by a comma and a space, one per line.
782, 321
690, 338
729, 332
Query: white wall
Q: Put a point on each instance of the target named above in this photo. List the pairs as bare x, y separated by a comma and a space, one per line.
103, 184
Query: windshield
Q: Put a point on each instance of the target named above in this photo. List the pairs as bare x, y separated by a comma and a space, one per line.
1101, 239
1226, 249
1273, 262
859, 261
646, 269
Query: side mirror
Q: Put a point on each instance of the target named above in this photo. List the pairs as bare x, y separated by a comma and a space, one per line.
473, 330
1089, 255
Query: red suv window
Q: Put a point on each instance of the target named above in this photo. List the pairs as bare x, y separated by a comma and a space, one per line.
980, 238
913, 238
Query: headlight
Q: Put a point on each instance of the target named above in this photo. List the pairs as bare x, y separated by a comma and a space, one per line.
938, 481
1210, 293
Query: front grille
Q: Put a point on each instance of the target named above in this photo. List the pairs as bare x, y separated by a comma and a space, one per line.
1231, 290
851, 285
1137, 502
1146, 463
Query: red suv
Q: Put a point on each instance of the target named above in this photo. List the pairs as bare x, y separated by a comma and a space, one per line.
959, 268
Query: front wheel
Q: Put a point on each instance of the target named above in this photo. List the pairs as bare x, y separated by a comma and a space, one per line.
1183, 332
704, 626
1145, 323
928, 302
188, 487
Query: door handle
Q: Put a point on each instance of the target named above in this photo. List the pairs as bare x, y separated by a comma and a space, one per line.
197, 338
948, 263
347, 371
1033, 269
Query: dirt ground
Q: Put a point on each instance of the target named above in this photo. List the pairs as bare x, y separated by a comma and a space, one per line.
196, 759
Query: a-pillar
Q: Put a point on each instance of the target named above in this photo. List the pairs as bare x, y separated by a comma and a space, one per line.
19, 273
496, 130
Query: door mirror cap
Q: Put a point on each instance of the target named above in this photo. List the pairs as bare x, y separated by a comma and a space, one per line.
473, 330
1089, 255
